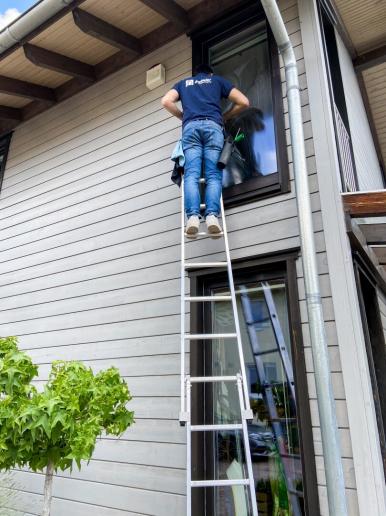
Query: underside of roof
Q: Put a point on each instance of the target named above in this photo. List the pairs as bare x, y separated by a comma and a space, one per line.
86, 41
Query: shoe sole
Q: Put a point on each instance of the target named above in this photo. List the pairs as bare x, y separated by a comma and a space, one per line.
213, 229
191, 232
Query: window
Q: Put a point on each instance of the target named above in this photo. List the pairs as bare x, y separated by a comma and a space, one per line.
375, 345
280, 435
4, 146
242, 49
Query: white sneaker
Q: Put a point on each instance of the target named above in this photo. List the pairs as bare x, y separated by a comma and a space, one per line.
213, 225
192, 226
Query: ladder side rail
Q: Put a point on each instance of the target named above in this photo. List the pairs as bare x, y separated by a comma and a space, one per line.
235, 314
282, 346
269, 399
247, 450
188, 449
183, 412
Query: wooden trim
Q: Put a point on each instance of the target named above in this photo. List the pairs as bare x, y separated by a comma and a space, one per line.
10, 113
250, 13
58, 62
25, 89
104, 31
282, 266
169, 10
365, 204
369, 59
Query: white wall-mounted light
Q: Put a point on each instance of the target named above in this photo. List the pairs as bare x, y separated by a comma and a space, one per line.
155, 76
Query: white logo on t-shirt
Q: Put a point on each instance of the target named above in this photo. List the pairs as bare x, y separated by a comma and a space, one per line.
192, 82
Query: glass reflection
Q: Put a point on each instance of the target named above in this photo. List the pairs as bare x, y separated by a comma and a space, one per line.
244, 60
273, 434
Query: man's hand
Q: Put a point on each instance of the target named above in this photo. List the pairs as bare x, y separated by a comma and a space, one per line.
169, 102
240, 102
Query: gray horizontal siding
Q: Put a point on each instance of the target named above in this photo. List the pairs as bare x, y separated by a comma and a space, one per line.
89, 270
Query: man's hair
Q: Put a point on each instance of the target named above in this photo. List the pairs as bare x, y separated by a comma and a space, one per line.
203, 68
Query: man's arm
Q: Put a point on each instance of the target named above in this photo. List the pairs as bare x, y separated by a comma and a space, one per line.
169, 102
240, 102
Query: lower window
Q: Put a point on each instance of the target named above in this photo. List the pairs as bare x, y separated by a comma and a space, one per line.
275, 440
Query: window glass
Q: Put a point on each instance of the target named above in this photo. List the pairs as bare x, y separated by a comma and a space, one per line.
273, 433
244, 60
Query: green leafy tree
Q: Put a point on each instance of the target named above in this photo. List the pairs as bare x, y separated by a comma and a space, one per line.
54, 428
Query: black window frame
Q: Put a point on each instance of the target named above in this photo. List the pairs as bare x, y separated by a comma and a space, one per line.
234, 22
4, 149
278, 266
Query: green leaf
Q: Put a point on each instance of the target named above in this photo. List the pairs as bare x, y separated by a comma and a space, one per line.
60, 424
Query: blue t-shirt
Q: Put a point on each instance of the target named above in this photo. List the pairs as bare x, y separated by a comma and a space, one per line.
201, 96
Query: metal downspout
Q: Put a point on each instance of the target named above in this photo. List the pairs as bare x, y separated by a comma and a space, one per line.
325, 395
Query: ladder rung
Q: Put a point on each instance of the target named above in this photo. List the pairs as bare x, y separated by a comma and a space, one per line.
210, 336
211, 379
199, 265
214, 428
202, 180
198, 299
219, 483
202, 206
266, 352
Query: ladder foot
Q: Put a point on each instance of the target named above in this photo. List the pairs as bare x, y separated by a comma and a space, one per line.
184, 418
248, 414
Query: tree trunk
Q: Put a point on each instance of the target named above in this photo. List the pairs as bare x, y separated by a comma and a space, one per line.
48, 489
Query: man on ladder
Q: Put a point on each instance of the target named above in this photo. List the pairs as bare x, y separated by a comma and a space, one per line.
202, 143
203, 138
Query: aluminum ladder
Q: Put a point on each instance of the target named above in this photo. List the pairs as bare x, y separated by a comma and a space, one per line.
239, 378
268, 396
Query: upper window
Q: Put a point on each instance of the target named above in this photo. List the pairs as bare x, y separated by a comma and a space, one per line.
241, 49
4, 146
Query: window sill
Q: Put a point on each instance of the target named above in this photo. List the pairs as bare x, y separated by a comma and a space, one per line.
267, 186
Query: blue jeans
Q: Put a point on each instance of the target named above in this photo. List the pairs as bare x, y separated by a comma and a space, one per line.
202, 143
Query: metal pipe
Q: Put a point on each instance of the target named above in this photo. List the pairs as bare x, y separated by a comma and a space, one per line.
325, 395
29, 21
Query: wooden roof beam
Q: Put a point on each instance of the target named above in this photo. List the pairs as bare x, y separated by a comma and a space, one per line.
169, 10
365, 204
370, 59
10, 113
25, 89
59, 63
104, 31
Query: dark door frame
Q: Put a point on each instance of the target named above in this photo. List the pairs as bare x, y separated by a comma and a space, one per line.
279, 265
